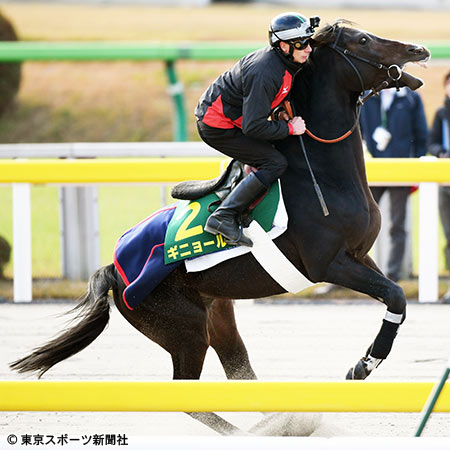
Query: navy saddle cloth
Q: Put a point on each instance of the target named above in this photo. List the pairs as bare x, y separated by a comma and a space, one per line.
139, 256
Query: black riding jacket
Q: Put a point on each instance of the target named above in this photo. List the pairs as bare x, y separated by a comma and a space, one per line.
245, 95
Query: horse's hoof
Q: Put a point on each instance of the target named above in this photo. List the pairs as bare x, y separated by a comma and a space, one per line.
363, 368
359, 372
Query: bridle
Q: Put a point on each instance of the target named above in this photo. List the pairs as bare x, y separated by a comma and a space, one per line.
346, 54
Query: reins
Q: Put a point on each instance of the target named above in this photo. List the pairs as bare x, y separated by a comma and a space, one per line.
341, 138
288, 108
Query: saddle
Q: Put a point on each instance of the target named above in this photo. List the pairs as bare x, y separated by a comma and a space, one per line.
221, 186
148, 252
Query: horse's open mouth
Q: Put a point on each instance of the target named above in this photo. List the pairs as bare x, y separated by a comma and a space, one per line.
423, 62
409, 80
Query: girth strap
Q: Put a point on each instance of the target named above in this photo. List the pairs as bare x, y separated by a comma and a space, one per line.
274, 262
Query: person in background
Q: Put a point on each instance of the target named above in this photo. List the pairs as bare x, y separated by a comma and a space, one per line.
393, 125
439, 145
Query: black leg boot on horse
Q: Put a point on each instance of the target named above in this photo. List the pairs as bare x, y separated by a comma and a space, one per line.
225, 221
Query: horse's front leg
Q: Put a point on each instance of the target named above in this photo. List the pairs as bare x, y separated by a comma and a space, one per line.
348, 272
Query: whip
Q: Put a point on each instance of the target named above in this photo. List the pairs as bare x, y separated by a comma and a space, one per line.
319, 194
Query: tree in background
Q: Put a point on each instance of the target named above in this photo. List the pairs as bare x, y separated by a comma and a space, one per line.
10, 73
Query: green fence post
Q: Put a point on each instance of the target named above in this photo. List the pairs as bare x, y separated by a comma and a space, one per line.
176, 91
432, 399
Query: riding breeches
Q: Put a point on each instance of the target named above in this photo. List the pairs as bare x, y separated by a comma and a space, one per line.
234, 143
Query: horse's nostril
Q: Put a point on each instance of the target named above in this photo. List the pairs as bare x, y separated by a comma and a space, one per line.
416, 50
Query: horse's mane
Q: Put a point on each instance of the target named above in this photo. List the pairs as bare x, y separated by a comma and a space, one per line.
323, 37
327, 34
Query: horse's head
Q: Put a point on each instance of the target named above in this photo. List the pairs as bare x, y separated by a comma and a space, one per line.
375, 61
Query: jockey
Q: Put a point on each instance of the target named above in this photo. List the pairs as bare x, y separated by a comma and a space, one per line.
233, 116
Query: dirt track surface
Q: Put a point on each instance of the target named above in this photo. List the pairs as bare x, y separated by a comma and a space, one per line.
302, 341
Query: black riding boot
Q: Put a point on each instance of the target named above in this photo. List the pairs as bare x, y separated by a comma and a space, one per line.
224, 220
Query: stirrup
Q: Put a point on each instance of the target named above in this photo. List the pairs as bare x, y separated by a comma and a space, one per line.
246, 242
238, 241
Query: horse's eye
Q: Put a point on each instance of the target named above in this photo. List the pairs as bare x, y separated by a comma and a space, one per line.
363, 41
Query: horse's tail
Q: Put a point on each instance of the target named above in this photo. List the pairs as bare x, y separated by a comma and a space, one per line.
91, 319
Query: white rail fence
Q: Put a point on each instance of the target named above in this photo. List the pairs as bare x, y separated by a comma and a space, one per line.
86, 234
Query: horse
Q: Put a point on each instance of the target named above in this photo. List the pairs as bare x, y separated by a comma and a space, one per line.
188, 312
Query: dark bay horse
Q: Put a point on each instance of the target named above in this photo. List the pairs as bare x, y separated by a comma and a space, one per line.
188, 312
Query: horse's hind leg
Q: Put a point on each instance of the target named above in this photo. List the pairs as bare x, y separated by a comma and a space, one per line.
187, 359
176, 319
188, 363
348, 272
227, 342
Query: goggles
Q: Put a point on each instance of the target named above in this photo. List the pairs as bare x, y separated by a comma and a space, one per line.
301, 44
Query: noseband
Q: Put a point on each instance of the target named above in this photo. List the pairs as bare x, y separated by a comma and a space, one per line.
345, 53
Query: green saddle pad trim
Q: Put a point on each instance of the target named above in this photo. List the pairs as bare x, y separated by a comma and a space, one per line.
186, 238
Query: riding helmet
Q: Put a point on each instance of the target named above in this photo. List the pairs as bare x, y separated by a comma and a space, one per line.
291, 26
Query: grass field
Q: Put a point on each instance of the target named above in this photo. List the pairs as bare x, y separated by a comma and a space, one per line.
119, 209
127, 101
